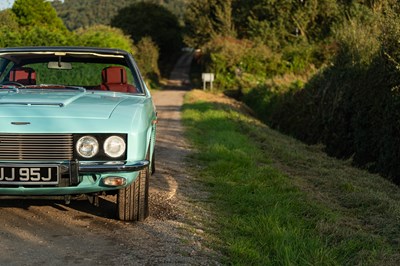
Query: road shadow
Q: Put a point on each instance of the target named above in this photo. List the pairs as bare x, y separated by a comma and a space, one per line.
106, 208
179, 78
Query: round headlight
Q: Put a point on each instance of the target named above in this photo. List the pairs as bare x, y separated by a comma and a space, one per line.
87, 146
114, 146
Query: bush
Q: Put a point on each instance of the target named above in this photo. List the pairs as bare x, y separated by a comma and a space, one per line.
352, 106
300, 57
147, 59
34, 36
42, 36
326, 109
104, 36
231, 59
358, 43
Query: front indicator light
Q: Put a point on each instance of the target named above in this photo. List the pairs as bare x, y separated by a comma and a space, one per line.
114, 146
87, 146
114, 181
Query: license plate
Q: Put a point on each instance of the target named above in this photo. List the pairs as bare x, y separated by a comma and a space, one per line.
29, 174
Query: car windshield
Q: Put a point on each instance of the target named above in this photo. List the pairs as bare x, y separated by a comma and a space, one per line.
90, 71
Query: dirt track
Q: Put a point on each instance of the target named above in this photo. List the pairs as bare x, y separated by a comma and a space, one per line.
42, 232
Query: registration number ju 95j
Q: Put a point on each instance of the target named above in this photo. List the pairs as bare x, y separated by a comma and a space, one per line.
43, 174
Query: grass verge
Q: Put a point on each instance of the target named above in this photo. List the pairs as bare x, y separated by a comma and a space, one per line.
280, 202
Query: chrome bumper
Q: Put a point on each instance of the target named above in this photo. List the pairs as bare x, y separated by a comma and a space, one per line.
98, 168
87, 168
71, 177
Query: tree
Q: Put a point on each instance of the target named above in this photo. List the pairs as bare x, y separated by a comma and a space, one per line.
80, 14
206, 19
151, 20
31, 13
278, 23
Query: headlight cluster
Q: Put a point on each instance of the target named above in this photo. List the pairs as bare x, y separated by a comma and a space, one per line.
112, 146
87, 146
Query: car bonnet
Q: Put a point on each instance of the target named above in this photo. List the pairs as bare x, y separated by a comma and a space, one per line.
31, 103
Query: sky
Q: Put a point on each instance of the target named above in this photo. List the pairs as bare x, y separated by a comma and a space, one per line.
6, 4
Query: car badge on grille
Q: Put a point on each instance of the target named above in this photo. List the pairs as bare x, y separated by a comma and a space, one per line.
20, 123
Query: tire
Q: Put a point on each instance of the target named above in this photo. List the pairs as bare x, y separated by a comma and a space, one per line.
153, 164
133, 200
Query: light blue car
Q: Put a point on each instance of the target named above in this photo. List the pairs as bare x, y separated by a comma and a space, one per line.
76, 121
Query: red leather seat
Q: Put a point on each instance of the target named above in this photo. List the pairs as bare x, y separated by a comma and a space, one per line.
23, 75
114, 79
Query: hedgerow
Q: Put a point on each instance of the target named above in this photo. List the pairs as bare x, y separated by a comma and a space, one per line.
353, 105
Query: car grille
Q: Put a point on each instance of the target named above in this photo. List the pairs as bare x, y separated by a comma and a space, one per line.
36, 147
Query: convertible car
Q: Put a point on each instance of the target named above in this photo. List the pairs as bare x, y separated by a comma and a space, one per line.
76, 121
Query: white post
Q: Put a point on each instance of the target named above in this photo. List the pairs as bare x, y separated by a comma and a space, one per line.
207, 77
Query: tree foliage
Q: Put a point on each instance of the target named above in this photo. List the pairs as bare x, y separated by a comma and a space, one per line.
147, 58
150, 20
232, 60
32, 23
80, 14
206, 19
275, 23
352, 104
37, 13
104, 36
42, 27
285, 21
42, 36
8, 20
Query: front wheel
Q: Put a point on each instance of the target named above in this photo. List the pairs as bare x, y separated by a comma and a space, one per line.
153, 164
133, 200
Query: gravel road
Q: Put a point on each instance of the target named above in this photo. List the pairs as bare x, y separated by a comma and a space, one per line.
43, 232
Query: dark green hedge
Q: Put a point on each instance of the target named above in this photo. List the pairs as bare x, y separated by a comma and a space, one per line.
352, 106
354, 111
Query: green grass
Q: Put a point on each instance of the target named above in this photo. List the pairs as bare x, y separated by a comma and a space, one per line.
280, 202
